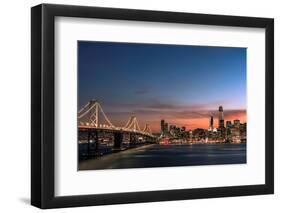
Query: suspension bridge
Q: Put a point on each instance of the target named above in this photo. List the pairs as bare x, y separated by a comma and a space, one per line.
93, 122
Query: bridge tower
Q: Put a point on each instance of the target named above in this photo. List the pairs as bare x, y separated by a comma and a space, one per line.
147, 129
93, 120
91, 113
132, 124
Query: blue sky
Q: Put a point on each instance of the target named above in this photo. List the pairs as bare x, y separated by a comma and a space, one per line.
151, 80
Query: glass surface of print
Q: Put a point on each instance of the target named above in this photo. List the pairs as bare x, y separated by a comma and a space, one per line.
156, 105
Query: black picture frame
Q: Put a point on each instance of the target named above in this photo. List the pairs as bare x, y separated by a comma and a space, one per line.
43, 102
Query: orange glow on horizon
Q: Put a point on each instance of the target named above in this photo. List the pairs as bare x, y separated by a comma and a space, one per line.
193, 123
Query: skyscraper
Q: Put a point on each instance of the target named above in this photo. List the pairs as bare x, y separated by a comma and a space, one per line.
221, 118
228, 124
211, 126
236, 123
166, 128
162, 127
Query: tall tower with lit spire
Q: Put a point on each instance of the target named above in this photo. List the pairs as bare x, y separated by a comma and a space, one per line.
221, 117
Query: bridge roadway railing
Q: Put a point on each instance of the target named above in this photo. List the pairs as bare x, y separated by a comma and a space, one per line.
117, 129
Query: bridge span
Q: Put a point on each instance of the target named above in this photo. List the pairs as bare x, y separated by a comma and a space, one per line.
95, 127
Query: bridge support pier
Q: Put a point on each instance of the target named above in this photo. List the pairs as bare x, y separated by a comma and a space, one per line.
96, 141
118, 138
132, 138
145, 139
88, 140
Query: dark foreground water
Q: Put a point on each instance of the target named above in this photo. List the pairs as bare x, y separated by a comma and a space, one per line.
169, 155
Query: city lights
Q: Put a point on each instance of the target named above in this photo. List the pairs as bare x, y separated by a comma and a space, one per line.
224, 133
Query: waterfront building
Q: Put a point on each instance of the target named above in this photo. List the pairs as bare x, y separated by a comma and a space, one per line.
235, 132
190, 136
235, 135
177, 132
236, 123
172, 127
243, 127
228, 131
172, 130
243, 132
199, 134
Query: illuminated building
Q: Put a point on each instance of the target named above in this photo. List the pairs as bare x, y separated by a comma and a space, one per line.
228, 124
172, 127
211, 125
172, 130
235, 135
221, 118
235, 132
236, 123
199, 134
164, 128
243, 132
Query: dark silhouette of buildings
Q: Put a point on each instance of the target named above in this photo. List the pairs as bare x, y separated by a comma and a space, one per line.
221, 118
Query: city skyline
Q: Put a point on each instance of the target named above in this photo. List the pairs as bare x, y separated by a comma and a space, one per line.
214, 122
155, 82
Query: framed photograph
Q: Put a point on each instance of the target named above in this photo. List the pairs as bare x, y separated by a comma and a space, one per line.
139, 106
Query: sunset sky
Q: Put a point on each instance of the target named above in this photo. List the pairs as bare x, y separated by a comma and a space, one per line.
182, 84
